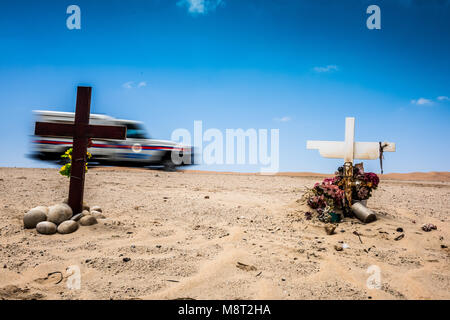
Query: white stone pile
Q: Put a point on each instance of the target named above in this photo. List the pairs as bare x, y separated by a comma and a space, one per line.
59, 218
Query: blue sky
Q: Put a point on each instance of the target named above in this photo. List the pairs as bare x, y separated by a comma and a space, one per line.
299, 66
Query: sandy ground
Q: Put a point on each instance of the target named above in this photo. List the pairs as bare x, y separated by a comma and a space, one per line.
182, 244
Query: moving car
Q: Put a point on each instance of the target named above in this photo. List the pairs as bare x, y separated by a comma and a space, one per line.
137, 150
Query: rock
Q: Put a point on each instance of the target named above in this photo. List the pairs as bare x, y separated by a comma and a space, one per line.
428, 227
96, 208
98, 215
126, 259
400, 237
329, 228
69, 212
88, 220
399, 229
59, 213
338, 247
206, 197
33, 217
43, 208
77, 217
68, 226
245, 267
46, 227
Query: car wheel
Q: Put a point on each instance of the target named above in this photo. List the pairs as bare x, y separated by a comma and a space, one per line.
169, 166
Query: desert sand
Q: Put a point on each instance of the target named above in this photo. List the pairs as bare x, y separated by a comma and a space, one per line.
201, 235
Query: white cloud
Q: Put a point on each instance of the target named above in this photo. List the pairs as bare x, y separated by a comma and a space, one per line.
443, 98
329, 68
200, 6
283, 119
128, 85
131, 84
422, 102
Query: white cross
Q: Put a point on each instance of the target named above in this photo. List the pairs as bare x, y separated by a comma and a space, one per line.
349, 149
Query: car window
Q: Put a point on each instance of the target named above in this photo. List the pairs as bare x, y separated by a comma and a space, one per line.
136, 131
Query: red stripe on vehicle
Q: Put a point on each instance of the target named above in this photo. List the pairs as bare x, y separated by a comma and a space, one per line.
112, 146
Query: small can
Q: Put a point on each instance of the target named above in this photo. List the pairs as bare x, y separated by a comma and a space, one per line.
363, 213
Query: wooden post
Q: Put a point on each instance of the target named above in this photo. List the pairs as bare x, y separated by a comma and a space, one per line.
80, 142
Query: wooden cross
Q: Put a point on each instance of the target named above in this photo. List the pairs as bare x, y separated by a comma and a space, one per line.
81, 132
350, 150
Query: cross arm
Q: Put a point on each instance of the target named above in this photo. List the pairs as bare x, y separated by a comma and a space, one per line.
362, 150
108, 132
91, 131
54, 129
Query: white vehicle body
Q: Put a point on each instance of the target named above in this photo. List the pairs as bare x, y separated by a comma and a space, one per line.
136, 150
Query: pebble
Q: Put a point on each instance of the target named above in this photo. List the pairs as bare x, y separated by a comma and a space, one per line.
77, 217
399, 229
428, 227
329, 228
126, 259
98, 215
88, 220
68, 226
69, 212
59, 213
338, 247
400, 237
96, 208
43, 208
46, 227
33, 217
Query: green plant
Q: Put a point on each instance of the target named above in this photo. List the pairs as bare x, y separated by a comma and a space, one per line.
67, 168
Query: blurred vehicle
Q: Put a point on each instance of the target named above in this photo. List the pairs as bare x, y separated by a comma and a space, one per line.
137, 150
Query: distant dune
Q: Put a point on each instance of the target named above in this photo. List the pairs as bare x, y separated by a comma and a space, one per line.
442, 176
421, 176
412, 176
